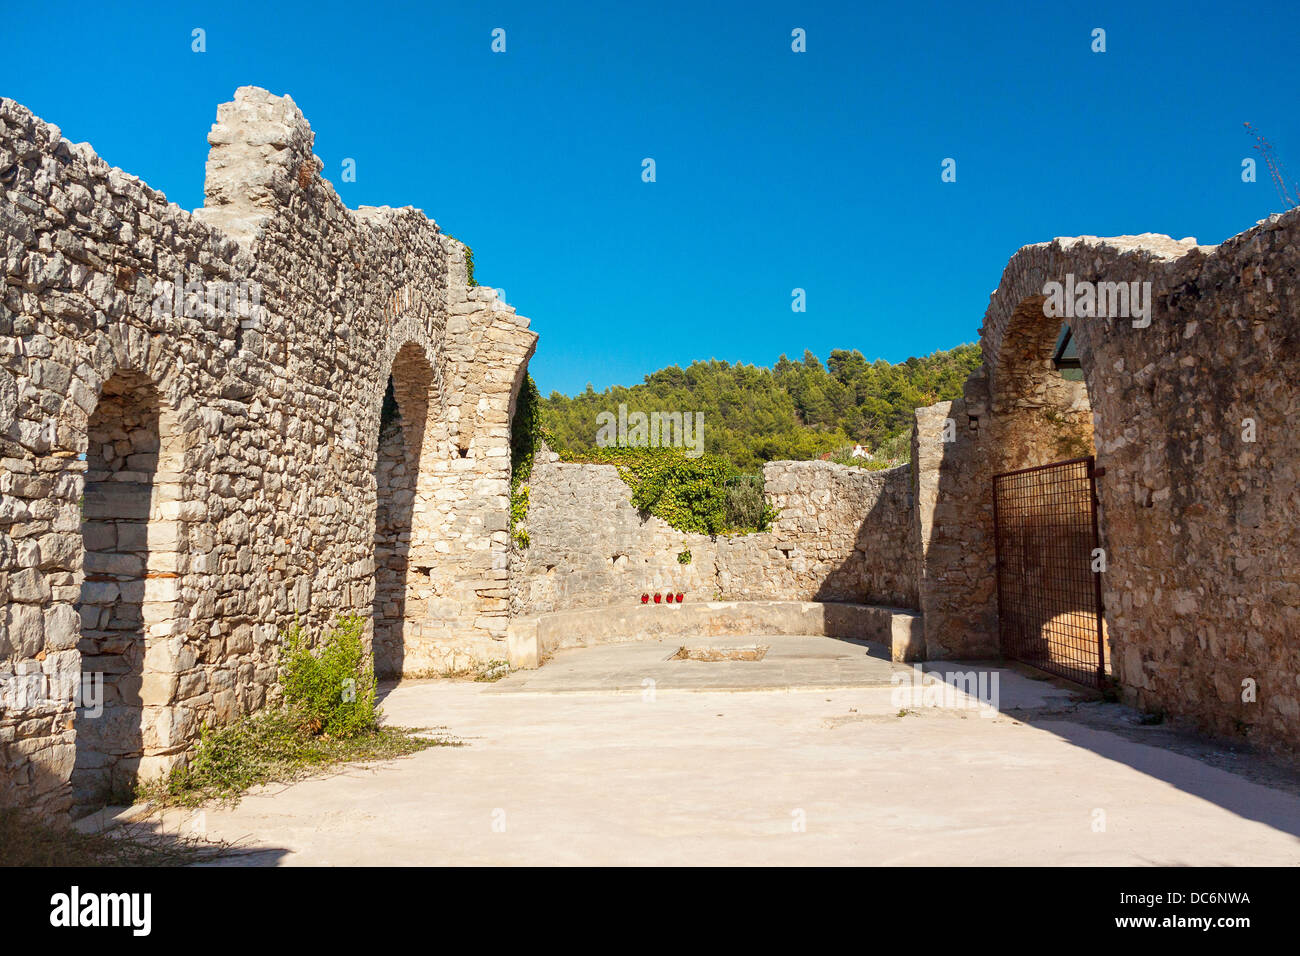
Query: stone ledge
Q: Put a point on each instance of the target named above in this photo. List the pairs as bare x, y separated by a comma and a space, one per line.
532, 639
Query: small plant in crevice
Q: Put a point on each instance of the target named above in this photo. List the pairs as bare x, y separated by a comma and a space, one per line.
482, 672
492, 671
683, 557
518, 512
469, 261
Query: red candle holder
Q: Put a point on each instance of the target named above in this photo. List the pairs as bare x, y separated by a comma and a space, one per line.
658, 598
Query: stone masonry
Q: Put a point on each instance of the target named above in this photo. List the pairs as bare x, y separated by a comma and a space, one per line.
842, 534
1188, 415
278, 409
188, 467
1191, 417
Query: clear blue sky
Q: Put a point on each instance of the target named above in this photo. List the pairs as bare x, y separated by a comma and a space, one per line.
775, 170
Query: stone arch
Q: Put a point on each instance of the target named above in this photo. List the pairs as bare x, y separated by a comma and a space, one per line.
132, 642
409, 421
1039, 414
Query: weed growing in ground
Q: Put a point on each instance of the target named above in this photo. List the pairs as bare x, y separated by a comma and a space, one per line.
328, 716
27, 840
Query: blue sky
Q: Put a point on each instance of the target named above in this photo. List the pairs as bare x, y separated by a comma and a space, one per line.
775, 170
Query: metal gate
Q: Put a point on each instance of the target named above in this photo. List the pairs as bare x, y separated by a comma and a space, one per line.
1049, 597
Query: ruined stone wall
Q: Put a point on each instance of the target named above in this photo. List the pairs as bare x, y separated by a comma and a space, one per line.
250, 424
1199, 524
843, 534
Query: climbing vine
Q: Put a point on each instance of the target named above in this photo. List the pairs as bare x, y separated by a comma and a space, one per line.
469, 261
525, 434
691, 494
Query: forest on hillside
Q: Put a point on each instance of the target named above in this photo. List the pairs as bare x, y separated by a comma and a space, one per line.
793, 410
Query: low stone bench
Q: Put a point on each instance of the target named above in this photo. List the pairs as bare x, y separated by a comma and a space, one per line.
531, 640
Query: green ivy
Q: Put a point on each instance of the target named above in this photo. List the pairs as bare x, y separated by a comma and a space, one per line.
469, 261
518, 512
525, 435
688, 493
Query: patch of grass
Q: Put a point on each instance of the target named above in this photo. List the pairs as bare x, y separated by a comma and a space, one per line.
481, 671
272, 747
492, 671
26, 840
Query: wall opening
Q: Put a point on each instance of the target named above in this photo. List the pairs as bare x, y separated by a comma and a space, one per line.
127, 603
401, 583
1042, 411
1042, 415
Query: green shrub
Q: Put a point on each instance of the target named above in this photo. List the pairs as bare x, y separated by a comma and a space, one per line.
688, 493
329, 690
231, 759
691, 494
892, 452
746, 505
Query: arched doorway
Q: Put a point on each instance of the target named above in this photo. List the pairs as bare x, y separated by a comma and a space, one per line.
1045, 504
401, 571
130, 535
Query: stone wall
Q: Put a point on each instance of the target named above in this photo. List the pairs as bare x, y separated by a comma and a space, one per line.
194, 453
843, 534
177, 486
1199, 523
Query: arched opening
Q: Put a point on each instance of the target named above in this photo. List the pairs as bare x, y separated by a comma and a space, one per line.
401, 580
1041, 408
1048, 525
128, 595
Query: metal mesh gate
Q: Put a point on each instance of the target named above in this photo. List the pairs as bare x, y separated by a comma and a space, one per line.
1049, 598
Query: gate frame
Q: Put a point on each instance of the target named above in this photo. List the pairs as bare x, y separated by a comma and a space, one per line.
1093, 472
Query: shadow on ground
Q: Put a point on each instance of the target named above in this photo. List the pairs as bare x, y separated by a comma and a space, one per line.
1211, 769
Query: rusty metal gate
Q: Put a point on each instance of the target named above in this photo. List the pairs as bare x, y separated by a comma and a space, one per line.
1049, 597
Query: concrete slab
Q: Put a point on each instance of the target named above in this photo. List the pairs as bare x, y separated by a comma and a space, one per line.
530, 640
685, 774
806, 662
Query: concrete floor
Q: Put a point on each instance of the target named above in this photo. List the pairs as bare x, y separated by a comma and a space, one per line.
582, 762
